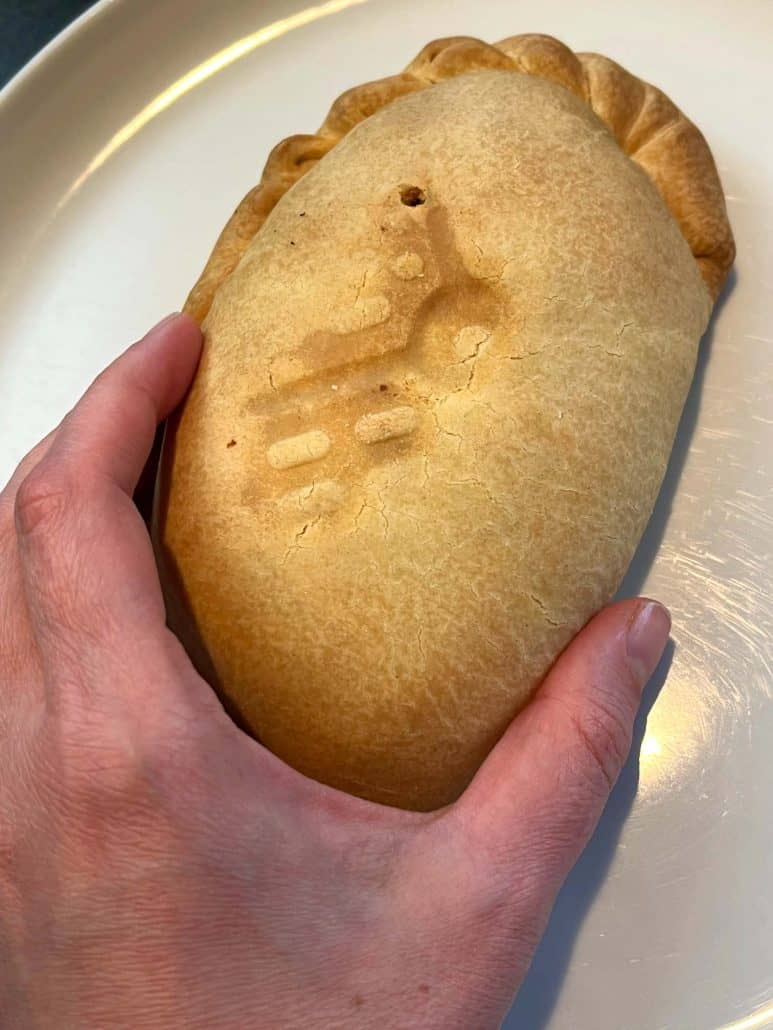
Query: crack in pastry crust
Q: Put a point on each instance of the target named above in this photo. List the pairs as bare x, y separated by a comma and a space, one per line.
435, 405
649, 128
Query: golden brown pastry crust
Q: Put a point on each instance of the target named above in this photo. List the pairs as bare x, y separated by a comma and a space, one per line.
424, 440
649, 128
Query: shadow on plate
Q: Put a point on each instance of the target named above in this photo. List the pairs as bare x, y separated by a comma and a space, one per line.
537, 999
656, 527
540, 992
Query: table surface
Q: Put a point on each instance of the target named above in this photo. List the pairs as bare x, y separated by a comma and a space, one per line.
27, 25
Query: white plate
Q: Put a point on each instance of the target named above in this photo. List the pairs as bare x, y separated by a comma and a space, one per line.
125, 146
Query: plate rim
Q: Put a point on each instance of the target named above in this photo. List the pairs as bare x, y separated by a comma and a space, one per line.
62, 38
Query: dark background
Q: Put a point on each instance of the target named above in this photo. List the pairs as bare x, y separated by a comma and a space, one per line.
27, 25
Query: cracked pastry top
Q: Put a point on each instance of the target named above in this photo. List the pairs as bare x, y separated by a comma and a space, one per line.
448, 339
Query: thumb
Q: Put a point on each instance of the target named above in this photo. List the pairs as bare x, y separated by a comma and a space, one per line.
538, 796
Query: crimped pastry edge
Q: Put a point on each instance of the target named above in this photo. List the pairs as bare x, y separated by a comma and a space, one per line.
649, 128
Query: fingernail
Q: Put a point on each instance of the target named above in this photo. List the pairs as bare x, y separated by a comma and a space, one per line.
164, 321
646, 639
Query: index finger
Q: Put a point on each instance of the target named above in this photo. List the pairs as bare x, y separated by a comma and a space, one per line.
86, 559
110, 431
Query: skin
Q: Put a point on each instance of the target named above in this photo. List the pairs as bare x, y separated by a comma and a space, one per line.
160, 868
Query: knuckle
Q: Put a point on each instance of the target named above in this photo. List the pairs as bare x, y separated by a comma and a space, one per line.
122, 762
96, 756
484, 877
177, 756
41, 500
502, 904
494, 894
99, 787
604, 739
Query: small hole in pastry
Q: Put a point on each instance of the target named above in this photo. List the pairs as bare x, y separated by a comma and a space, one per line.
412, 196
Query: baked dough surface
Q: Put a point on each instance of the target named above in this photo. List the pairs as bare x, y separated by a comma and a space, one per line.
649, 127
438, 394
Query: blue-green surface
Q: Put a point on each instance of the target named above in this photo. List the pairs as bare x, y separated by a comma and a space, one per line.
27, 25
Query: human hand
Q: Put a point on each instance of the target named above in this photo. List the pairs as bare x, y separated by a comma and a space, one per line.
159, 868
